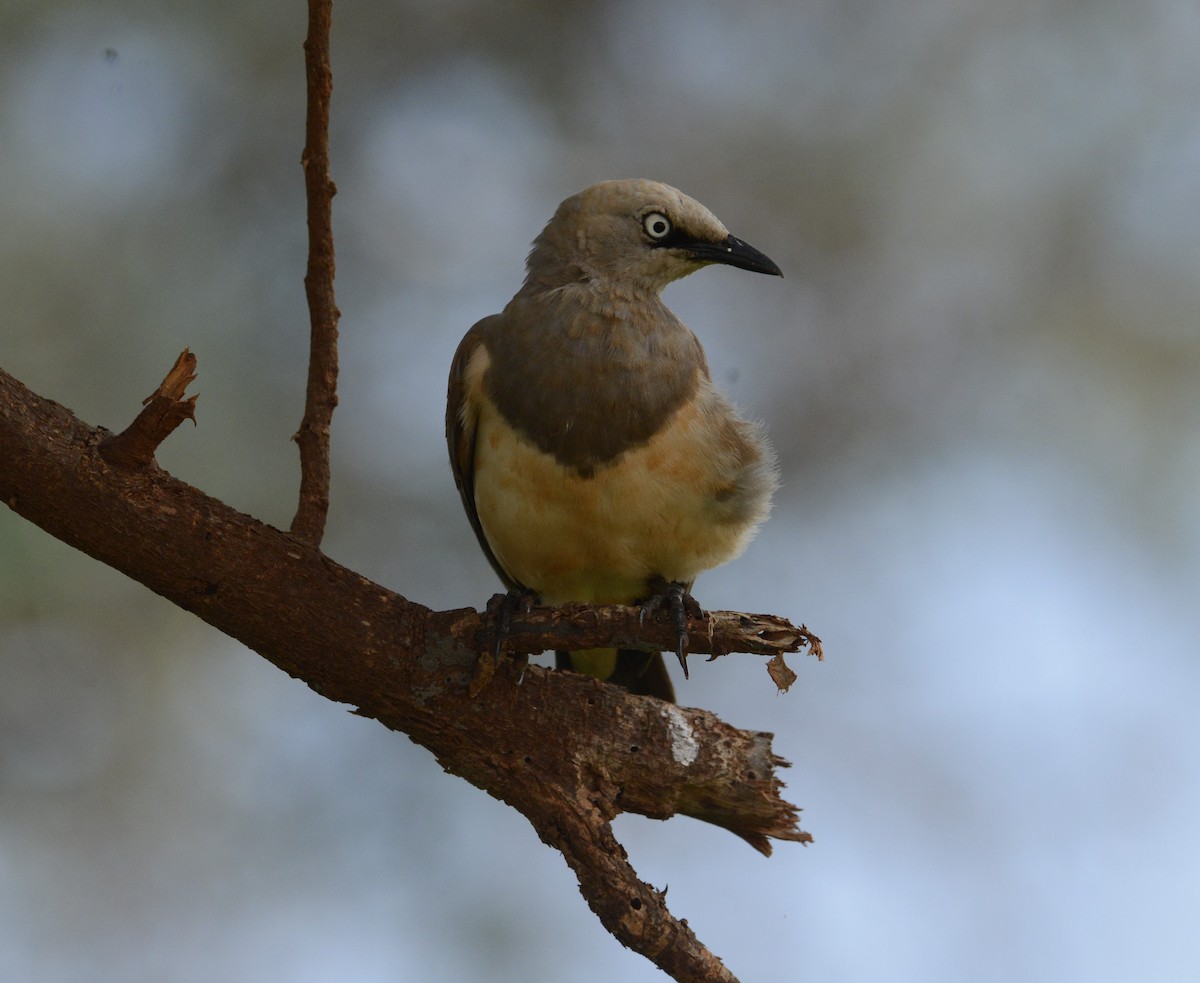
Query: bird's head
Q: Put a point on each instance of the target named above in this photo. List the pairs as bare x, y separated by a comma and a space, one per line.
637, 234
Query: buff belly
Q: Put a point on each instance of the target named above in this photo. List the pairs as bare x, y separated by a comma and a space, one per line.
660, 509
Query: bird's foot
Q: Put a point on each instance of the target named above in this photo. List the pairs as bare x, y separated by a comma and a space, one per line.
675, 598
500, 611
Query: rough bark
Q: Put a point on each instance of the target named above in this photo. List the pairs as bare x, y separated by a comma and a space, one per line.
411, 668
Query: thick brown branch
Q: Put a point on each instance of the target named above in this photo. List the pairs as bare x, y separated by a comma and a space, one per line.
321, 393
409, 667
702, 768
162, 411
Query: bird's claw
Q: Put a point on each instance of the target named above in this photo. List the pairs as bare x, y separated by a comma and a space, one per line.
501, 609
675, 598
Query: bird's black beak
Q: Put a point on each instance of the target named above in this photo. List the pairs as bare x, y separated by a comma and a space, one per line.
732, 251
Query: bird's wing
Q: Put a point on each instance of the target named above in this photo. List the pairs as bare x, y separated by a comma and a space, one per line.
462, 416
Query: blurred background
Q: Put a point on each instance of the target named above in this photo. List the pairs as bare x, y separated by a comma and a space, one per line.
982, 375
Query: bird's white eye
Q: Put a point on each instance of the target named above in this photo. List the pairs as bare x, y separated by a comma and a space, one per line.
657, 225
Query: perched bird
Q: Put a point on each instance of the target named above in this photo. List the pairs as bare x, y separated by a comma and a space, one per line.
596, 460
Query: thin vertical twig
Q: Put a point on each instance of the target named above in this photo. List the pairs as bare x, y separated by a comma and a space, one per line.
321, 394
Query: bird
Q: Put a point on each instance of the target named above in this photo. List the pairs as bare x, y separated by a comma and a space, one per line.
596, 460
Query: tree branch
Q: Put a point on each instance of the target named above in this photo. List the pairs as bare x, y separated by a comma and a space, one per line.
321, 393
410, 668
633, 911
163, 410
582, 626
571, 627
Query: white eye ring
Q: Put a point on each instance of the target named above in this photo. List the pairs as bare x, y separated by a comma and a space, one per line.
657, 225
